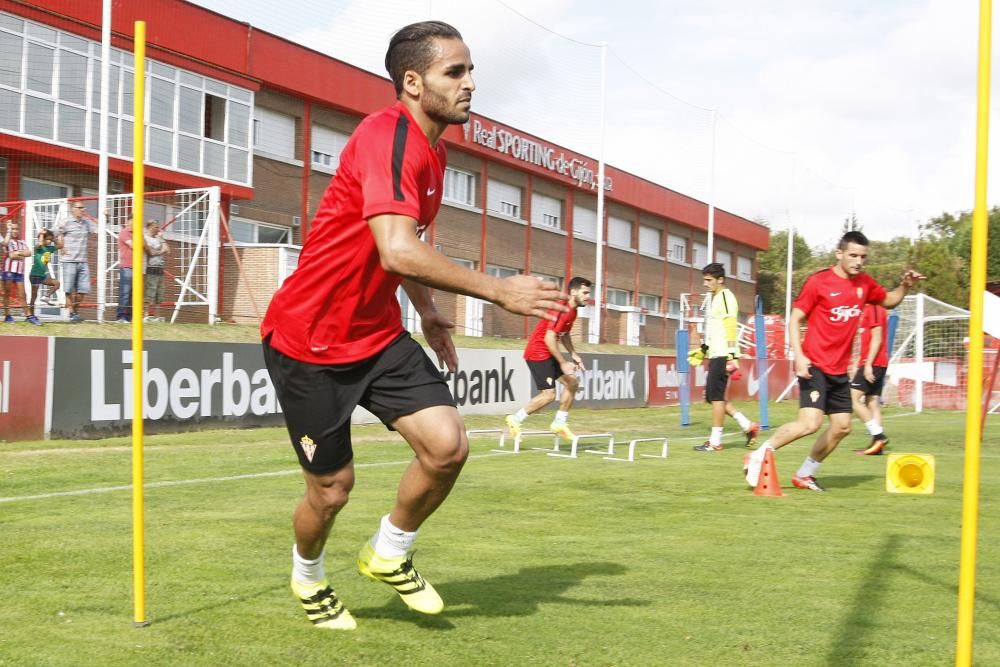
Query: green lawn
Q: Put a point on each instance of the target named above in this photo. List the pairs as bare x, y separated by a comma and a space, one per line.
541, 561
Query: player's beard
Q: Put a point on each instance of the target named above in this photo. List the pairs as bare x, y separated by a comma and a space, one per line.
437, 107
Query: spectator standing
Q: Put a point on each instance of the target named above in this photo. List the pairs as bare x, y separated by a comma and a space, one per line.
124, 315
12, 276
156, 254
40, 274
74, 240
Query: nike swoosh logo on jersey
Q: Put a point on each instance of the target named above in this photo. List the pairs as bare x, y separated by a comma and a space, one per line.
831, 293
431, 191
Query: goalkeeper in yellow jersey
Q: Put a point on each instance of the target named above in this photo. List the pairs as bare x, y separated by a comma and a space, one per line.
720, 346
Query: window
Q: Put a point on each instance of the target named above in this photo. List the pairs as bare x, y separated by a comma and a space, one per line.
619, 297
744, 268
650, 302
673, 308
501, 271
585, 223
214, 126
699, 254
466, 263
619, 232
50, 88
503, 198
327, 146
459, 187
726, 259
677, 248
650, 240
274, 133
546, 211
249, 231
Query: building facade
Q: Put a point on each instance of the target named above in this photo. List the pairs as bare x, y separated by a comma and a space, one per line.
265, 119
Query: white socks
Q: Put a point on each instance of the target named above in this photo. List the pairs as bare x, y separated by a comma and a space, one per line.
809, 467
520, 415
874, 428
742, 421
561, 416
307, 571
716, 438
391, 542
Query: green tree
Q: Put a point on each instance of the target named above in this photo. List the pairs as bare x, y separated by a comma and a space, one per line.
771, 267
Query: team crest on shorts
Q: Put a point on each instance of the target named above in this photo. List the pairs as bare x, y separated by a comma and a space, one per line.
813, 396
308, 447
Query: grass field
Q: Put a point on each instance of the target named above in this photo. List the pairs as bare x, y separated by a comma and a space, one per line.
542, 561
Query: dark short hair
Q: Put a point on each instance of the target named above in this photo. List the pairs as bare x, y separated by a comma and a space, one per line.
852, 237
578, 282
411, 48
715, 269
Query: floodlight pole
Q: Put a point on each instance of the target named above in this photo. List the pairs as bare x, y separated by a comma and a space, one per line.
102, 163
598, 293
711, 194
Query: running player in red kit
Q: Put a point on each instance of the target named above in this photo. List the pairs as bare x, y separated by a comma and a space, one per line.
832, 300
548, 365
867, 383
333, 335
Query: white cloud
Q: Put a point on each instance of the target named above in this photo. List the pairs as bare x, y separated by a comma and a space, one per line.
876, 100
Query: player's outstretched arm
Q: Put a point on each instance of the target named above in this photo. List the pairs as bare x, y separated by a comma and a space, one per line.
403, 253
910, 278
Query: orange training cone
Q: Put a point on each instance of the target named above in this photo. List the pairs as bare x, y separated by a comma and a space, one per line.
767, 483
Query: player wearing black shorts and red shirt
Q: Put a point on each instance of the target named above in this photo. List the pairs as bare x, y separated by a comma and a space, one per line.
548, 365
333, 334
832, 300
866, 386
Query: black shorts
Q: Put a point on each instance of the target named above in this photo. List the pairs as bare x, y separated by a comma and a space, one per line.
545, 373
869, 388
717, 380
829, 393
318, 399
36, 280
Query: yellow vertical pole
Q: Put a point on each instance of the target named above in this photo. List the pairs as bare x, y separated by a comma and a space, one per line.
977, 286
138, 229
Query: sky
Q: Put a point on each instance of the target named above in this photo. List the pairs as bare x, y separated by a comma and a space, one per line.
796, 114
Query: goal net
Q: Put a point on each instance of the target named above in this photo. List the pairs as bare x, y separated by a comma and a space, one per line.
929, 362
190, 223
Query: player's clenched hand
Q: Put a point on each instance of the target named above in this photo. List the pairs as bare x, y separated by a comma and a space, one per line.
911, 278
802, 364
529, 295
437, 331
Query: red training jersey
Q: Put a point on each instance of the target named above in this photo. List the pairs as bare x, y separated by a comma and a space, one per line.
874, 316
536, 349
833, 306
339, 306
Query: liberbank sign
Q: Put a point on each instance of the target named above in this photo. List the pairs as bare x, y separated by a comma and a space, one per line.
533, 152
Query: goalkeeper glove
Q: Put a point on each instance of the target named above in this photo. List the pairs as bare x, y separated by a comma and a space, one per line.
732, 368
697, 355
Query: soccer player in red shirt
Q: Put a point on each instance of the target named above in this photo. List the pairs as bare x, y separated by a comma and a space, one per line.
866, 387
548, 365
832, 300
333, 336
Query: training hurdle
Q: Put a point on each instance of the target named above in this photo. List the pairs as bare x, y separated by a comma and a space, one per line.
631, 450
575, 445
516, 449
